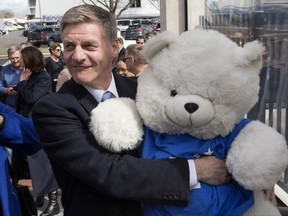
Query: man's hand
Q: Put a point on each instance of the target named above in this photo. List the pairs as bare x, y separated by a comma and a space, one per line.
1, 120
212, 170
270, 196
9, 91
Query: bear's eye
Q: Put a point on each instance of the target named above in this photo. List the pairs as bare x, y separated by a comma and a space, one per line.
173, 93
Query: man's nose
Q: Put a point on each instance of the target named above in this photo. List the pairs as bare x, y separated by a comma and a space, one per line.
79, 54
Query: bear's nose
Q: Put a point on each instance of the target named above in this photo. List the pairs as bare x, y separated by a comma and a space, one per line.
191, 107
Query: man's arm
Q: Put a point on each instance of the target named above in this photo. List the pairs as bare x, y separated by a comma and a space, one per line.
63, 130
17, 132
212, 170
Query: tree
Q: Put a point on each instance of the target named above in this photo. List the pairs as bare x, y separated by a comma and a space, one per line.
6, 14
113, 5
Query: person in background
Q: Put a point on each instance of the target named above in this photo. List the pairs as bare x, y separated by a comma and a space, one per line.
10, 76
23, 45
121, 48
93, 180
17, 133
149, 35
136, 63
35, 83
63, 76
121, 69
54, 63
140, 40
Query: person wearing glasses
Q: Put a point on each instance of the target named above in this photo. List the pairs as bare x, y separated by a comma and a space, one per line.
136, 63
54, 64
93, 180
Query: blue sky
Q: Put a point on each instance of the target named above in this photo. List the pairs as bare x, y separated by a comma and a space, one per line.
18, 7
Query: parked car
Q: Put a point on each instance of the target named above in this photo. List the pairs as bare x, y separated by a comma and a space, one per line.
29, 29
138, 30
45, 35
123, 24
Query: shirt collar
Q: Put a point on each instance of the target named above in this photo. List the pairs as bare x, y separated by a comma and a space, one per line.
16, 71
97, 93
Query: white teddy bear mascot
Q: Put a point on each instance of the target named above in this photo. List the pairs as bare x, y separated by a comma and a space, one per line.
193, 98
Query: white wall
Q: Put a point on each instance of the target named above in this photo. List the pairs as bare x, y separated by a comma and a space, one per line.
172, 15
54, 9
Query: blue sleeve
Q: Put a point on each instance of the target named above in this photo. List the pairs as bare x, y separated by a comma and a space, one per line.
18, 132
1, 80
236, 130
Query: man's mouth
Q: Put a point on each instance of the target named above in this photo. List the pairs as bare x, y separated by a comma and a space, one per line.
80, 67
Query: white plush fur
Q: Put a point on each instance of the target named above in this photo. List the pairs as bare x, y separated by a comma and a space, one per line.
208, 69
126, 134
257, 157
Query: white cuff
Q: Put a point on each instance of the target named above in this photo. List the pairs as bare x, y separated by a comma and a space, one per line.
193, 175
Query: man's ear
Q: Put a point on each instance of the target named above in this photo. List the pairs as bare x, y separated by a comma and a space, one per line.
115, 47
114, 52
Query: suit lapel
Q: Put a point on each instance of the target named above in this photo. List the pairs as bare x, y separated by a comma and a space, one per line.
82, 95
125, 88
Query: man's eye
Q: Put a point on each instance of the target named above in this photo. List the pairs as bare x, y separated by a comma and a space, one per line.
68, 47
173, 93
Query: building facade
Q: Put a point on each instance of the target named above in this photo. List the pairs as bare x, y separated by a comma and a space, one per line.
53, 10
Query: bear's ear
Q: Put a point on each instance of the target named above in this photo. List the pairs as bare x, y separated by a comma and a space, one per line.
252, 52
157, 43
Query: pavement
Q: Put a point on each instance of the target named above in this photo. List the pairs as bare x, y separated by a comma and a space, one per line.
28, 183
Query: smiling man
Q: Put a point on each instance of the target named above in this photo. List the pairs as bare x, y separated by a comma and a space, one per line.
93, 180
10, 76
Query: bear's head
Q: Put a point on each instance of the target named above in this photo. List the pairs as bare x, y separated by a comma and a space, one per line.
200, 83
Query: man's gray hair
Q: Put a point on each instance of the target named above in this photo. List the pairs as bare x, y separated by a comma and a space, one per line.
12, 50
91, 13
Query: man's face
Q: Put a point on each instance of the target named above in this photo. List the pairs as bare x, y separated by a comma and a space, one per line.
140, 41
88, 55
15, 59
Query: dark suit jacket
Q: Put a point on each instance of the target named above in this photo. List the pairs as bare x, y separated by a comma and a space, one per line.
94, 181
121, 54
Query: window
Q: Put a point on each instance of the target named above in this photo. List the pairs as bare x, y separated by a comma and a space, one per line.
136, 4
245, 21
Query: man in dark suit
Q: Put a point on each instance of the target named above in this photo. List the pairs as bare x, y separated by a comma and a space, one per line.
93, 180
121, 49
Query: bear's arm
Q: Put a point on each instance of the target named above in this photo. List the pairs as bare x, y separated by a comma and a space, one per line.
257, 157
116, 125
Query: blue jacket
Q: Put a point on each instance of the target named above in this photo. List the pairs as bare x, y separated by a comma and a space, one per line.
19, 134
9, 78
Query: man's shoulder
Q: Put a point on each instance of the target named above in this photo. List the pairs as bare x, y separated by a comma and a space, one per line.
8, 68
53, 102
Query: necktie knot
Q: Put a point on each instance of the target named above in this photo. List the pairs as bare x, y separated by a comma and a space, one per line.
107, 95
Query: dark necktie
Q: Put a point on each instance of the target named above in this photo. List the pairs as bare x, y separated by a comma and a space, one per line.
107, 95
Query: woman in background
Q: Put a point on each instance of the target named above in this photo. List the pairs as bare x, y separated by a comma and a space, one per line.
35, 83
54, 63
